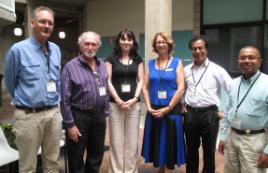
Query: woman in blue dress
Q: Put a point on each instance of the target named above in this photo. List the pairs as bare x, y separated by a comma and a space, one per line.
163, 143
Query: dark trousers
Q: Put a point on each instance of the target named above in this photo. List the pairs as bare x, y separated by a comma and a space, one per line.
201, 124
92, 127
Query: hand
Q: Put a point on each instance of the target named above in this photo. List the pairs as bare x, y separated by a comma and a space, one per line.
221, 147
74, 134
262, 162
122, 105
183, 108
130, 103
159, 113
220, 114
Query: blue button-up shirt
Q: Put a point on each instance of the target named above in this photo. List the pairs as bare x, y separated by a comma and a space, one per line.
253, 111
27, 73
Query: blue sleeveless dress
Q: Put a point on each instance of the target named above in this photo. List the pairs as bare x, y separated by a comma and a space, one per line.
163, 141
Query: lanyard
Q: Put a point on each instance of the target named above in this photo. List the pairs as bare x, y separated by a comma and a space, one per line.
162, 76
238, 104
199, 78
125, 71
46, 53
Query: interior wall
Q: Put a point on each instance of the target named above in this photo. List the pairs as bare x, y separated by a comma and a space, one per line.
109, 17
182, 15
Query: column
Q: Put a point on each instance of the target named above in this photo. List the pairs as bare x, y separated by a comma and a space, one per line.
158, 18
197, 17
28, 18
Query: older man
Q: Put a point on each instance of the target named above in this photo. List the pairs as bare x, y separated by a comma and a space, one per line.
32, 76
84, 105
244, 129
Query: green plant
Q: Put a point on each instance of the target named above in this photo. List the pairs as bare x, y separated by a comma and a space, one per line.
7, 129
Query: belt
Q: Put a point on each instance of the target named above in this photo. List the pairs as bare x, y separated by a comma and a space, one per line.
35, 110
202, 109
248, 132
90, 111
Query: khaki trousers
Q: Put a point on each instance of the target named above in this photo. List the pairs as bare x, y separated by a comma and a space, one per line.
33, 130
242, 152
124, 135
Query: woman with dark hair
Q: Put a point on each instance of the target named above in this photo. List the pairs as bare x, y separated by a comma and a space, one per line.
125, 69
163, 143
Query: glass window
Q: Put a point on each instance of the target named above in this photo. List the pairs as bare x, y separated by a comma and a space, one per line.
224, 44
230, 11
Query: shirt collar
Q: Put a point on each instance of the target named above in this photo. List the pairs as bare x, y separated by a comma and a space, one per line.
37, 44
205, 64
81, 59
252, 79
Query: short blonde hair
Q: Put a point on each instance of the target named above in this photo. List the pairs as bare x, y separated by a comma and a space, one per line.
167, 38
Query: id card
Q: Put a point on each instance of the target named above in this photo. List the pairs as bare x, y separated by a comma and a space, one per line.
125, 88
51, 86
162, 94
236, 123
102, 91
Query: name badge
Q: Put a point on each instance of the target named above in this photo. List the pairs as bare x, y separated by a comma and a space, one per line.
51, 86
125, 88
162, 94
102, 91
236, 123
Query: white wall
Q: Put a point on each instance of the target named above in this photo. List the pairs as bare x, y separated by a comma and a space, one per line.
108, 17
182, 15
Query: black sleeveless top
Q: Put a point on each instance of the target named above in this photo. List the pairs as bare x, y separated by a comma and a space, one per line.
122, 74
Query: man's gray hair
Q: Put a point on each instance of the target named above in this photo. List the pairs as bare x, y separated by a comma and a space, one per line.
86, 34
42, 8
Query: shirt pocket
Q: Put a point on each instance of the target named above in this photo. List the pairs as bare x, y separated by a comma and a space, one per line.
55, 72
31, 72
259, 107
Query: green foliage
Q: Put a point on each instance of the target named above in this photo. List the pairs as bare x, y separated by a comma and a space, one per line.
7, 129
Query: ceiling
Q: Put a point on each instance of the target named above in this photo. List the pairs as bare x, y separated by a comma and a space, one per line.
76, 3
67, 11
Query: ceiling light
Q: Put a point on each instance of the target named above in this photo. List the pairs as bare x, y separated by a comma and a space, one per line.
17, 31
62, 35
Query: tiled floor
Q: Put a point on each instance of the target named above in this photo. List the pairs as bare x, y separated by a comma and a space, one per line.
6, 111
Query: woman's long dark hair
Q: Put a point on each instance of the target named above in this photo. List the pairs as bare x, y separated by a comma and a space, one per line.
133, 51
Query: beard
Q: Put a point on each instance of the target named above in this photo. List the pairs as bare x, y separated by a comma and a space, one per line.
89, 55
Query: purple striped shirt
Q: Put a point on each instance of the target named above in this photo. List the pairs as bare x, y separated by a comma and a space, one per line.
80, 88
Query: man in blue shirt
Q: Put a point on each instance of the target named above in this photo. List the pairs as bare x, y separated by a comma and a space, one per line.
244, 129
32, 77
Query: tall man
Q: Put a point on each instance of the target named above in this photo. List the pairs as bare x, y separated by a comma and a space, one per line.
243, 134
32, 77
84, 105
204, 81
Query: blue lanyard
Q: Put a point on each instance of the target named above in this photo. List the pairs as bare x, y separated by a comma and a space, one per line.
238, 104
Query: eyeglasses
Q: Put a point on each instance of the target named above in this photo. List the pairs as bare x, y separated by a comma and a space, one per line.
249, 58
161, 42
44, 22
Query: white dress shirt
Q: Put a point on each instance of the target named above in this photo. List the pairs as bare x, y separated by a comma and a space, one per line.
204, 84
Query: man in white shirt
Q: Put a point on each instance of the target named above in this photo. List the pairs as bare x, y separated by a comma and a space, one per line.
204, 81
